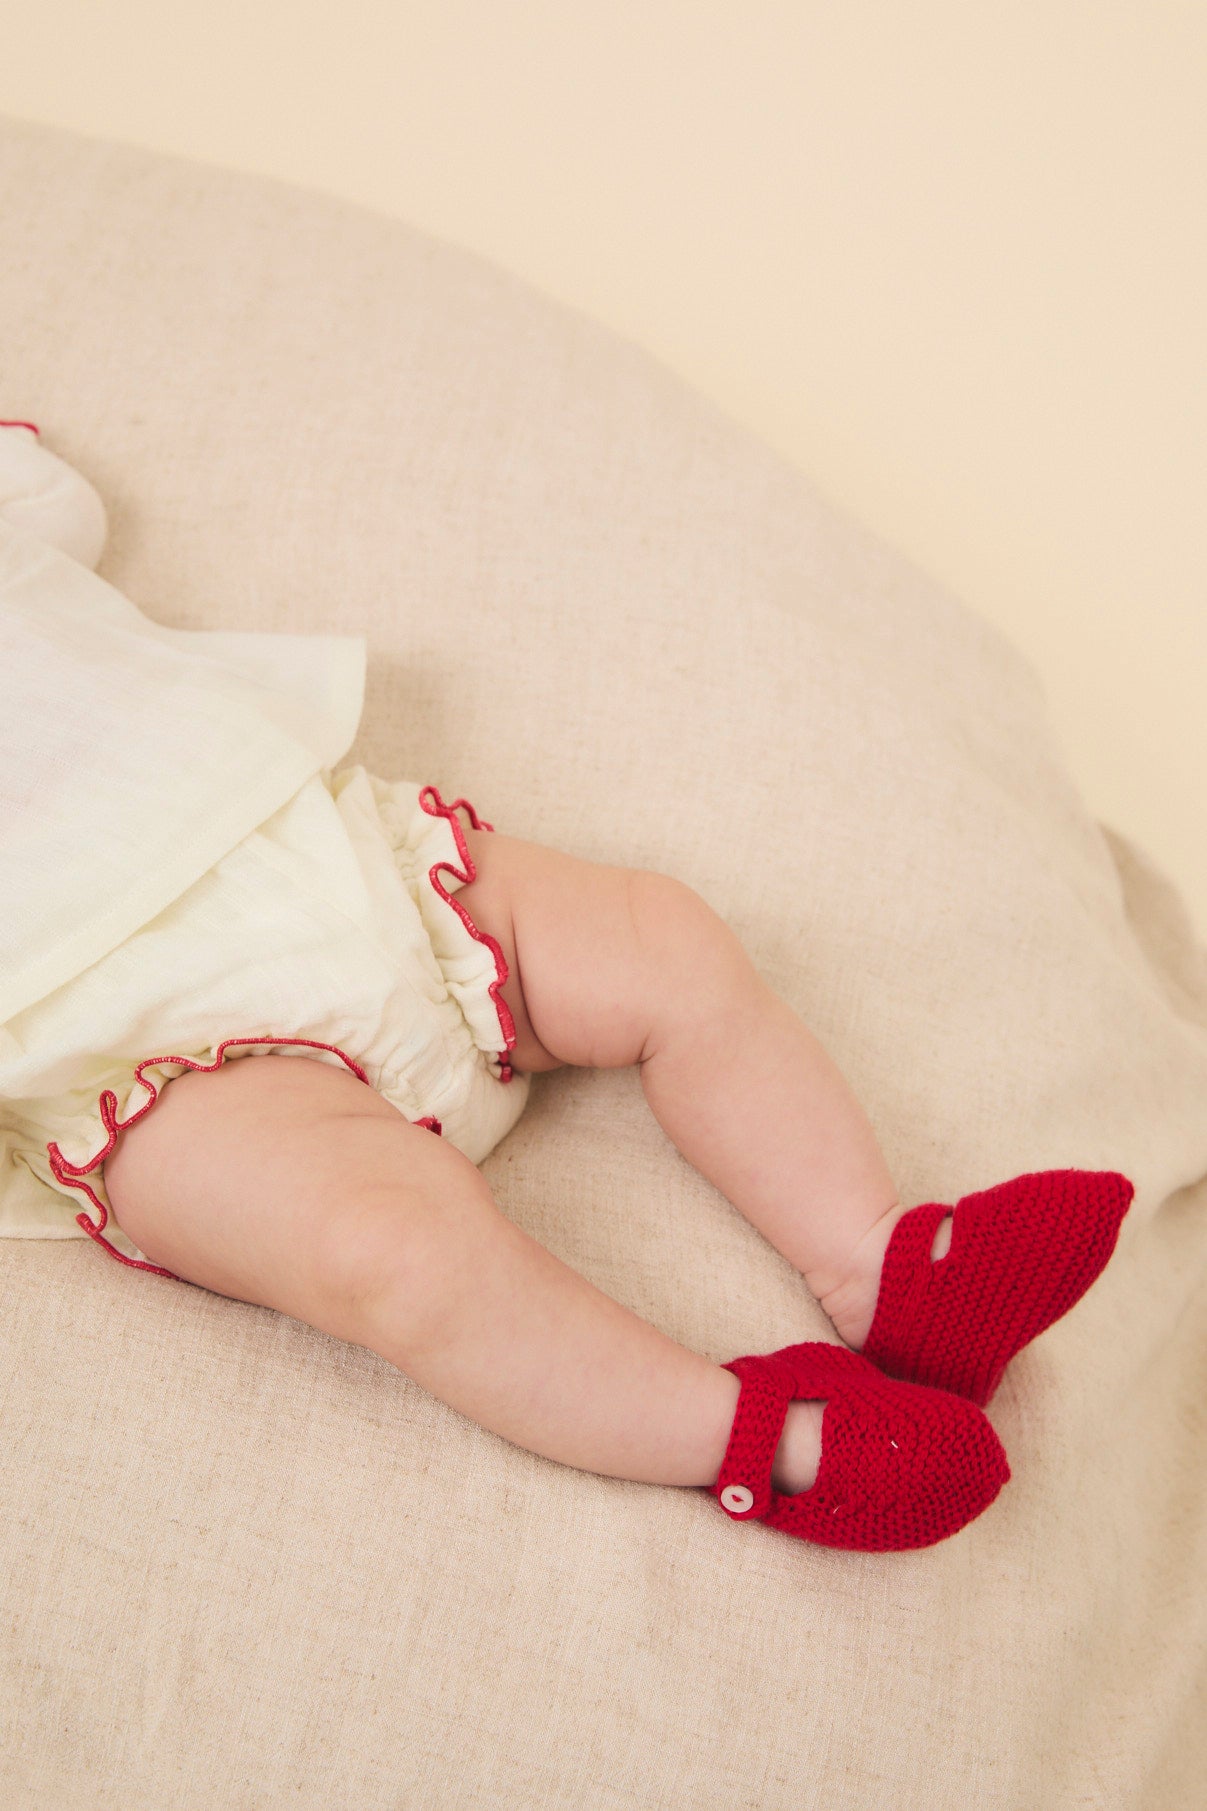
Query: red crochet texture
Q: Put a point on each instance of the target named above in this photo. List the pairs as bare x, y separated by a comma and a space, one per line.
1021, 1255
901, 1466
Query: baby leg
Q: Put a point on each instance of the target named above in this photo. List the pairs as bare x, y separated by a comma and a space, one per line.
288, 1183
613, 966
616, 966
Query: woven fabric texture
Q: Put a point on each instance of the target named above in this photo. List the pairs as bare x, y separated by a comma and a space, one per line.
243, 1564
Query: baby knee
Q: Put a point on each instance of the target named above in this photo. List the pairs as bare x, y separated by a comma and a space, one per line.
391, 1258
696, 955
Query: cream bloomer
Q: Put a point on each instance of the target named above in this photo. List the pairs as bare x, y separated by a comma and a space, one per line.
331, 932
189, 877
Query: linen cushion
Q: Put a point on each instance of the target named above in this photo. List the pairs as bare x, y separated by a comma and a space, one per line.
242, 1563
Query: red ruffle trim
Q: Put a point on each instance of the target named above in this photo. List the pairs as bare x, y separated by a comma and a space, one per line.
71, 1174
440, 809
66, 1172
23, 424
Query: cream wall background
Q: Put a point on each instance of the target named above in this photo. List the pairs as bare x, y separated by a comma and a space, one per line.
949, 257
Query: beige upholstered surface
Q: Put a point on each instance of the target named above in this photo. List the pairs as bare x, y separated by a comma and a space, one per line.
242, 1564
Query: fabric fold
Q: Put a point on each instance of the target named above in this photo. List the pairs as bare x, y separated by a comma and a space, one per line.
104, 714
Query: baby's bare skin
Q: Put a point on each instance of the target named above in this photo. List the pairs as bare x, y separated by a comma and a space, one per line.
289, 1183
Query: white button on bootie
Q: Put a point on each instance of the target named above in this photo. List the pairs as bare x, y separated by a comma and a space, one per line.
47, 497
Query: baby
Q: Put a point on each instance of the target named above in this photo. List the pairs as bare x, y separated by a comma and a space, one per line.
344, 1189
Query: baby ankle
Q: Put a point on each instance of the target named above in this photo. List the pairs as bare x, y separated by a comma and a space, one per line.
851, 1302
798, 1455
942, 1240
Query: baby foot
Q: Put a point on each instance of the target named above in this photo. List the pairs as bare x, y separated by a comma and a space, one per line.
851, 1306
798, 1455
900, 1466
962, 1290
42, 494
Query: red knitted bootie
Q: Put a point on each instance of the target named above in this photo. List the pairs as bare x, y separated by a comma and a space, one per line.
901, 1466
1021, 1255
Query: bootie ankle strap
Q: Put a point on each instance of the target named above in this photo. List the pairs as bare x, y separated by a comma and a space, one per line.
902, 1466
1022, 1254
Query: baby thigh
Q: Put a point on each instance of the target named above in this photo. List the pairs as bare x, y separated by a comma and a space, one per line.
288, 1183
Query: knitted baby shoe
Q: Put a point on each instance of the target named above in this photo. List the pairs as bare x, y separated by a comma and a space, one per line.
901, 1466
1021, 1255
